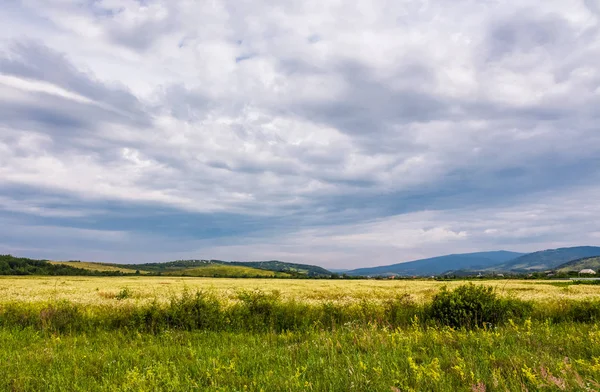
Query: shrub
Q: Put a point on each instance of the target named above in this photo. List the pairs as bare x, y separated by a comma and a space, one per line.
195, 311
472, 306
124, 294
256, 310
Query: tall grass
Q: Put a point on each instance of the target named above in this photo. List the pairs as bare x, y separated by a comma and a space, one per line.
466, 339
518, 357
468, 307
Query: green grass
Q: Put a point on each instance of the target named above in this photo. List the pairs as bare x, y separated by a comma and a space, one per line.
469, 307
466, 339
520, 357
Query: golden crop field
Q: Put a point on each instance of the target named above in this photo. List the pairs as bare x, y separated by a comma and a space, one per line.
143, 289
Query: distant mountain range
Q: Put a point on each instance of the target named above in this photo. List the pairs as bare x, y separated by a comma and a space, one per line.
561, 260
485, 262
548, 259
439, 265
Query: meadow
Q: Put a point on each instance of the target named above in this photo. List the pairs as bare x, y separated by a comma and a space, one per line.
143, 289
143, 333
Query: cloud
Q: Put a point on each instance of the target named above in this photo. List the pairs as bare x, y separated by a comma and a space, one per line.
223, 123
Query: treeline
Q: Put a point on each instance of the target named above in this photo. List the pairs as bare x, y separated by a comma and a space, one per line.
10, 265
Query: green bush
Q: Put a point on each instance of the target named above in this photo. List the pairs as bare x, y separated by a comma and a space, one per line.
474, 306
194, 311
124, 294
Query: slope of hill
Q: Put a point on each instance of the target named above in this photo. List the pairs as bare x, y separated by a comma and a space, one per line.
275, 268
548, 259
280, 266
580, 264
439, 265
10, 265
225, 270
167, 267
91, 266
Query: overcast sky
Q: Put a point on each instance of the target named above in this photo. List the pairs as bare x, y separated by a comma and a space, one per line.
342, 134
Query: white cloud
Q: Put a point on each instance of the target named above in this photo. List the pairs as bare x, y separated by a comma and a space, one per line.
314, 111
540, 223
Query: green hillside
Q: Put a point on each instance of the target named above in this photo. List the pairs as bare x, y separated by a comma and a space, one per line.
290, 268
224, 270
170, 267
251, 268
91, 266
580, 264
10, 265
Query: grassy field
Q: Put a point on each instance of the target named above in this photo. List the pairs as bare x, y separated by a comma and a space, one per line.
93, 290
538, 357
158, 333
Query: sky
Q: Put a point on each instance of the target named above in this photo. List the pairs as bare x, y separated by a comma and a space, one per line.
341, 134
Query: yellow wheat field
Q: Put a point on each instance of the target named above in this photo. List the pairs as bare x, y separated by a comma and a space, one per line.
104, 290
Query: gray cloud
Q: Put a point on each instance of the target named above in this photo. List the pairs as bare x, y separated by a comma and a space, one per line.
311, 120
521, 34
36, 61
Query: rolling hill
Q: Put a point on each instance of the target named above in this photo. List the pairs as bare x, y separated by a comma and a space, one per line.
91, 266
290, 268
271, 268
10, 265
226, 270
439, 265
580, 264
547, 259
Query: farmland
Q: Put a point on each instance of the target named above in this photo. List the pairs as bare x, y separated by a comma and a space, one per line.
182, 333
98, 290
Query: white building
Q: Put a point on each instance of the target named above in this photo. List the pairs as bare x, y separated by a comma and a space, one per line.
587, 271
